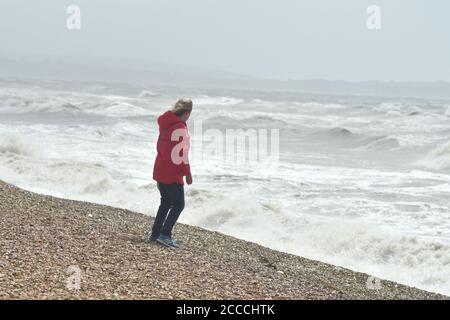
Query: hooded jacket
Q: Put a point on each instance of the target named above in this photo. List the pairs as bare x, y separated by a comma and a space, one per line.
171, 163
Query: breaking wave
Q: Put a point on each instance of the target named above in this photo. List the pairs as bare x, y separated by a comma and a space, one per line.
438, 158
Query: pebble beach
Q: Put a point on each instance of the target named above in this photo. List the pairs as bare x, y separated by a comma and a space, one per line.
44, 239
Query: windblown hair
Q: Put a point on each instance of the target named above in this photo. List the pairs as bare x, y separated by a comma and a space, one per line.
181, 106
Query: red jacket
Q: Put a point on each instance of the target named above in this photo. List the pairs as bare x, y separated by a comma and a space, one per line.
171, 163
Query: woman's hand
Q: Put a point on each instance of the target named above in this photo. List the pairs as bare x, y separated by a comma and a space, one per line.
189, 179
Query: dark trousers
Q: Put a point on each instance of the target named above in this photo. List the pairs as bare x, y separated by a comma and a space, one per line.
172, 203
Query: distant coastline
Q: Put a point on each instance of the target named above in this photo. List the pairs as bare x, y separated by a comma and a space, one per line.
96, 69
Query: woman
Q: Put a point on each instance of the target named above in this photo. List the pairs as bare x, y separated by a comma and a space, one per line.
171, 166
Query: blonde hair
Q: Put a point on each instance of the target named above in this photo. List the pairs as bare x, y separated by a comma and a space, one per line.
181, 106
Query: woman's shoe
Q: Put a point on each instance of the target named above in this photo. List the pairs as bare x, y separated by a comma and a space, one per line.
167, 241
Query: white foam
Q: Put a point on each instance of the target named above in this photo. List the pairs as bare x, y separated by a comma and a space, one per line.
147, 94
120, 109
13, 144
220, 101
438, 158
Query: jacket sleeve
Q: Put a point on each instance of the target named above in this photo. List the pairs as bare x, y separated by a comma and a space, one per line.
187, 170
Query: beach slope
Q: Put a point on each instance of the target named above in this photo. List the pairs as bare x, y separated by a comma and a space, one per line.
46, 243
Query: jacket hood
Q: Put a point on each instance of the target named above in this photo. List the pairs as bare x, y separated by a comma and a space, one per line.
168, 119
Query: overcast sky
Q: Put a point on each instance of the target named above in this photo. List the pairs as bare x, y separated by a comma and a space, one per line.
278, 39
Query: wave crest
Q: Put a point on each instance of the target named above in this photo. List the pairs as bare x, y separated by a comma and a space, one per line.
15, 145
438, 158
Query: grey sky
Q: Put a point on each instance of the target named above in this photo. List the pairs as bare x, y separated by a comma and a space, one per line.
270, 38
